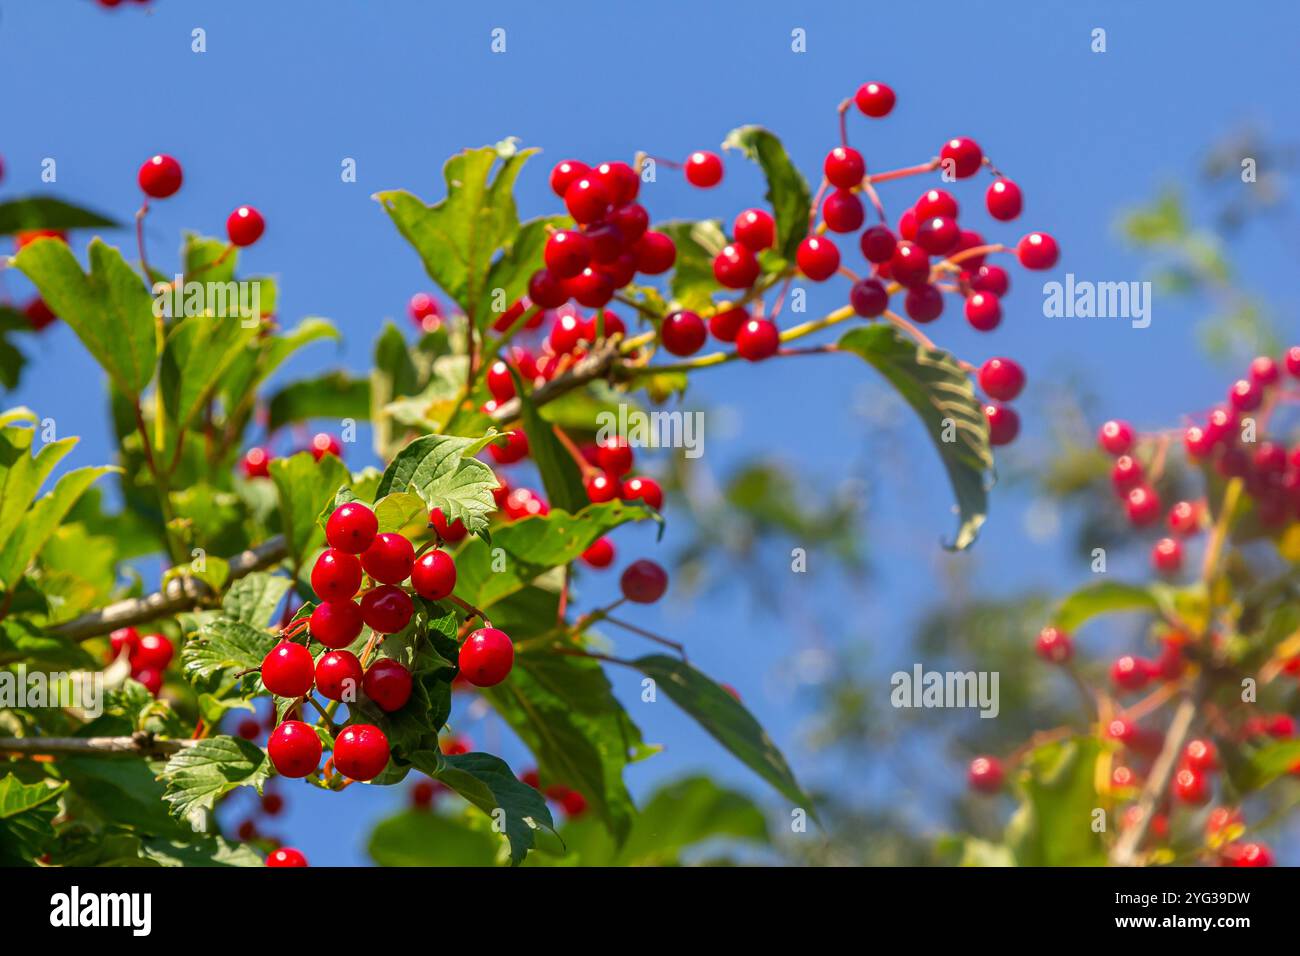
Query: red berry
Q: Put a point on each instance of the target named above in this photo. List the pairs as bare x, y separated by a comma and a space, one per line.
983, 311
286, 856
1003, 200
272, 804
586, 200
1264, 370
160, 176
655, 253
842, 211
1131, 673
123, 639
631, 221
1200, 755
361, 752
992, 279
547, 291
937, 235
434, 575
294, 749
249, 729
351, 528
869, 298
388, 559
1167, 555
964, 155
450, 533
935, 202
1054, 646
1002, 379
874, 99
758, 339
924, 303
245, 226
38, 313
423, 307
486, 657
150, 677
154, 651
388, 684
1198, 442
878, 244
565, 174
985, 775
422, 794
1245, 395
386, 609
1293, 361
756, 229
736, 266
1004, 423
499, 382
643, 489
1116, 437
323, 444
619, 180
683, 333
612, 325
1191, 787
338, 675
591, 288
724, 325
1037, 250
336, 576
567, 253
600, 554
844, 167
257, 463
514, 449
1251, 855
907, 225
643, 582
574, 803
288, 670
615, 456
910, 264
601, 487
703, 169
565, 334
1143, 506
1126, 473
336, 623
817, 258
1184, 518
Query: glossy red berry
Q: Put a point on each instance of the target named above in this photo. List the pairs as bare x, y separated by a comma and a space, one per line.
1001, 379
757, 339
388, 684
154, 651
1245, 395
323, 443
985, 775
844, 167
339, 675
935, 202
1200, 755
249, 729
288, 670
1184, 518
361, 752
910, 264
351, 528
1004, 423
565, 174
160, 176
643, 582
615, 456
257, 463
386, 609
1131, 673
603, 324
1167, 555
817, 258
591, 288
878, 244
1054, 645
294, 749
423, 307
643, 489
1037, 250
586, 200
336, 576
499, 381
1191, 787
962, 155
150, 677
565, 334
869, 298
1116, 437
389, 558
842, 211
619, 180
724, 325
874, 99
434, 575
567, 253
736, 266
486, 657
600, 554
683, 333
1003, 200
1198, 442
1143, 506
601, 487
631, 221
123, 639
937, 235
923, 303
756, 229
450, 532
655, 253
546, 290
983, 311
703, 169
990, 279
907, 225
512, 447
336, 623
1126, 473
1250, 855
1293, 361
245, 226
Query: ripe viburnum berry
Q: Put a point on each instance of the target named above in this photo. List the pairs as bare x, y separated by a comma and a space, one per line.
388, 684
983, 311
962, 155
703, 169
755, 228
683, 333
351, 528
386, 609
323, 444
910, 264
514, 449
567, 253
388, 559
615, 456
150, 677
1126, 473
631, 220
249, 729
1131, 673
1054, 645
1184, 518
286, 856
565, 174
655, 253
1200, 755
1003, 200
591, 288
736, 266
1293, 361
1264, 370
601, 487
586, 200
288, 670
643, 489
1037, 250
817, 258
1191, 787
294, 749
844, 167
1167, 555
1004, 423
923, 303
434, 575
937, 235
724, 325
603, 324
874, 99
546, 290
1245, 395
336, 623
985, 775
450, 532
600, 554
1116, 437
1001, 379
339, 675
499, 381
842, 211
869, 298
257, 462
878, 244
758, 339
336, 576
643, 582
1250, 855
992, 279
245, 226
361, 752
423, 307
619, 180
1143, 506
155, 651
160, 176
486, 657
123, 639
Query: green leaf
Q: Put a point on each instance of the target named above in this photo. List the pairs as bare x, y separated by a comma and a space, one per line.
404, 513
27, 813
209, 851
561, 476
223, 643
516, 265
1104, 597
124, 792
43, 519
199, 351
334, 395
931, 381
254, 598
1250, 768
693, 283
420, 838
110, 309
787, 191
1051, 828
727, 720
685, 813
197, 776
17, 797
44, 212
393, 376
438, 469
306, 486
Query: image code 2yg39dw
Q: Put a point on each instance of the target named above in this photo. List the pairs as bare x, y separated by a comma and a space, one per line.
691, 442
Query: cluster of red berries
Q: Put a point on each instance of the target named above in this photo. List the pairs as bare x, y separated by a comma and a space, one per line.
573, 803
148, 654
256, 462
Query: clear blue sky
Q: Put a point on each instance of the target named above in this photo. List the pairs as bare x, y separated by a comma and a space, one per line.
287, 90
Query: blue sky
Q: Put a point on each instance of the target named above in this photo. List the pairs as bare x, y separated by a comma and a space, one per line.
286, 91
